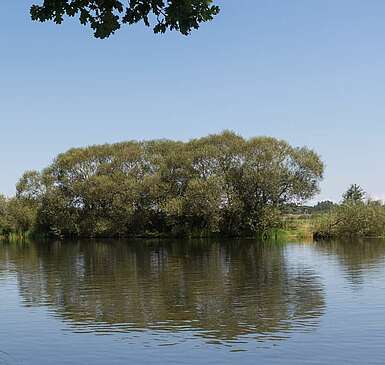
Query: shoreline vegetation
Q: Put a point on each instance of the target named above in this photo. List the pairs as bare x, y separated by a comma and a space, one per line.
216, 186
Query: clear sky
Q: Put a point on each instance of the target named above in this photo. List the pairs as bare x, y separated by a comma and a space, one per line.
310, 72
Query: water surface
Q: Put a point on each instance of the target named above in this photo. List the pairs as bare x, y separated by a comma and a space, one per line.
190, 302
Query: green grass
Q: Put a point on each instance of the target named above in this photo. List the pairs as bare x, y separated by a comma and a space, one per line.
297, 227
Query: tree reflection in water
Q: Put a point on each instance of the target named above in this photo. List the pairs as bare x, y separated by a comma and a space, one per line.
356, 257
220, 291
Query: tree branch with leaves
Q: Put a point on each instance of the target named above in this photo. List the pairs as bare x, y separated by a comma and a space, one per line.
105, 17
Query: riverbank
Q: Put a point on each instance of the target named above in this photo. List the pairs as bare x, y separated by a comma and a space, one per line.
300, 227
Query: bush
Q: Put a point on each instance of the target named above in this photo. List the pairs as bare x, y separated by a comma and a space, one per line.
352, 219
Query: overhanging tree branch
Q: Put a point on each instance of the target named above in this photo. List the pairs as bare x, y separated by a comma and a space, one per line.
105, 17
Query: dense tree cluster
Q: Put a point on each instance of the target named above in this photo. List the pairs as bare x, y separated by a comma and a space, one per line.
220, 184
106, 16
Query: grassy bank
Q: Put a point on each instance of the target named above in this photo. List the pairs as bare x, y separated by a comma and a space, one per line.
297, 226
347, 220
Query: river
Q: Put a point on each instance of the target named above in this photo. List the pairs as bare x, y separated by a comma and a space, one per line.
192, 302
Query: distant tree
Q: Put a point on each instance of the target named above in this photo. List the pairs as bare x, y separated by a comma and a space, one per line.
323, 206
106, 16
355, 194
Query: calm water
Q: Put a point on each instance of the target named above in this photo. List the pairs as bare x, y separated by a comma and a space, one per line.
239, 302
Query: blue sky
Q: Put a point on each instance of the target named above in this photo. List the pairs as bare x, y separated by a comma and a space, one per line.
310, 72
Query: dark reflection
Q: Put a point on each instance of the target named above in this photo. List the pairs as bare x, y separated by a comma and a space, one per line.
357, 257
221, 291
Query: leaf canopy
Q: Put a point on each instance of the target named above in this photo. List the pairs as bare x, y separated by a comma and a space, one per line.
107, 16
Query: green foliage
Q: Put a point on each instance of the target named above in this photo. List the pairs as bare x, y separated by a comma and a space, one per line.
355, 194
320, 207
17, 215
323, 207
3, 215
220, 184
355, 217
21, 215
295, 226
30, 186
106, 17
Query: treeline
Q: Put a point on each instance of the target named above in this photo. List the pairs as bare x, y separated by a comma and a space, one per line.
355, 216
217, 185
320, 207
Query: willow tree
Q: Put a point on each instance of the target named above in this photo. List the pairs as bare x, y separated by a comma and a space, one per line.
107, 16
220, 184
